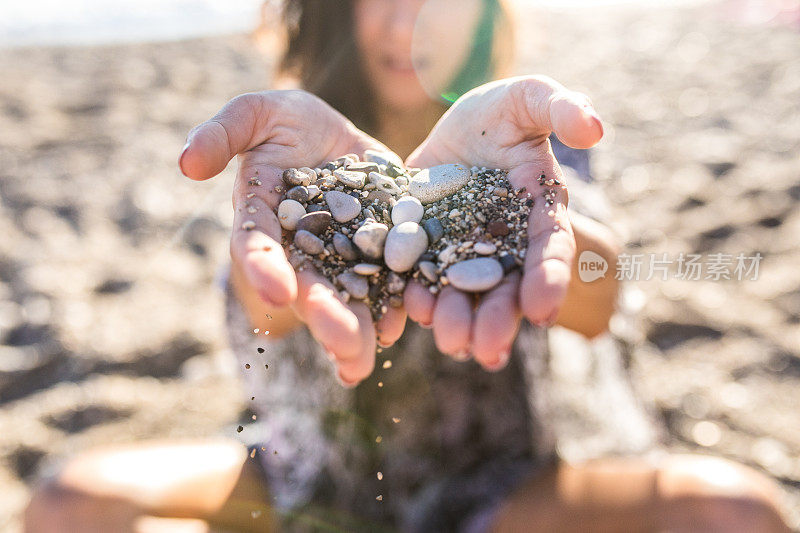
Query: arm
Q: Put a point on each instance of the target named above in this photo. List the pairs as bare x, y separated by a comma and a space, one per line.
588, 307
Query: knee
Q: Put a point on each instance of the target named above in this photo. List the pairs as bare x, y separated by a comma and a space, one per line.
714, 494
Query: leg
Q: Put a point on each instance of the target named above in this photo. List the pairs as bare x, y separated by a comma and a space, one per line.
678, 494
150, 487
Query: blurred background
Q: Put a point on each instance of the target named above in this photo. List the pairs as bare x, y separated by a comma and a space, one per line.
112, 327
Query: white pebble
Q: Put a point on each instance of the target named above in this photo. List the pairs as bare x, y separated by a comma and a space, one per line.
484, 248
433, 184
407, 209
475, 275
404, 244
289, 213
366, 269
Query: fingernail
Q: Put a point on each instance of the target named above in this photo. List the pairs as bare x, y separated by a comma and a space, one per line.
180, 159
426, 325
500, 362
461, 355
385, 345
592, 112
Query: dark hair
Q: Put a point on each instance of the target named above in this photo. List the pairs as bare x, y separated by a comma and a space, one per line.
321, 52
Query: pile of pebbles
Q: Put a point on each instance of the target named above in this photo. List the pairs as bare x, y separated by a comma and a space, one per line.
369, 226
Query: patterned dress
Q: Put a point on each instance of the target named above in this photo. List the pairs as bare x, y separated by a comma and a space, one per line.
449, 439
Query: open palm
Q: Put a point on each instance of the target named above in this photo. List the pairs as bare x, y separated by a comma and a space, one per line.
272, 131
506, 124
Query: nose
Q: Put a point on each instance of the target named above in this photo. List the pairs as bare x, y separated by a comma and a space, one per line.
402, 19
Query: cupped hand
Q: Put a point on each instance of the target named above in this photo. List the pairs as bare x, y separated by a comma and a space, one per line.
272, 131
506, 124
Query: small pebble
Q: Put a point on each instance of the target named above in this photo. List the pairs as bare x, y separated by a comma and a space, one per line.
370, 239
508, 263
289, 213
365, 167
316, 222
366, 269
404, 244
428, 269
484, 248
356, 286
407, 209
248, 225
475, 275
383, 197
344, 207
448, 255
344, 247
308, 242
354, 180
395, 283
434, 229
498, 228
382, 158
502, 192
384, 183
313, 191
433, 184
299, 176
298, 193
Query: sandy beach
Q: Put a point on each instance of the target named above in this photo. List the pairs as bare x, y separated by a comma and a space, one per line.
111, 323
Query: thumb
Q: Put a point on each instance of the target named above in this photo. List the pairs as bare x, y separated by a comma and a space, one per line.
211, 145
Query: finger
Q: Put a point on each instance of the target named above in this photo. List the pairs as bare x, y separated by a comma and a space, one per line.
237, 127
452, 323
355, 369
496, 324
551, 244
255, 246
390, 326
553, 107
419, 303
330, 321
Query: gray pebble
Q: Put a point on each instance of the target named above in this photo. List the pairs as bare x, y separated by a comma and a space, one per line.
313, 191
299, 176
435, 183
434, 229
366, 269
384, 183
355, 285
313, 208
508, 263
298, 193
404, 244
394, 171
370, 238
343, 206
484, 248
308, 242
354, 180
428, 269
382, 197
395, 283
382, 158
289, 213
365, 167
316, 222
475, 275
344, 247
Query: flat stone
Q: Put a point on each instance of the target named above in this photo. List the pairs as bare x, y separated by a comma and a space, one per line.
395, 283
370, 239
497, 228
404, 244
356, 286
433, 184
313, 191
366, 269
299, 176
365, 167
484, 248
428, 269
382, 158
316, 222
354, 180
407, 209
434, 229
344, 247
289, 213
344, 207
298, 193
475, 275
384, 183
382, 197
308, 242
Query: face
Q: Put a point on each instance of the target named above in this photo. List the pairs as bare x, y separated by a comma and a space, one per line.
412, 49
